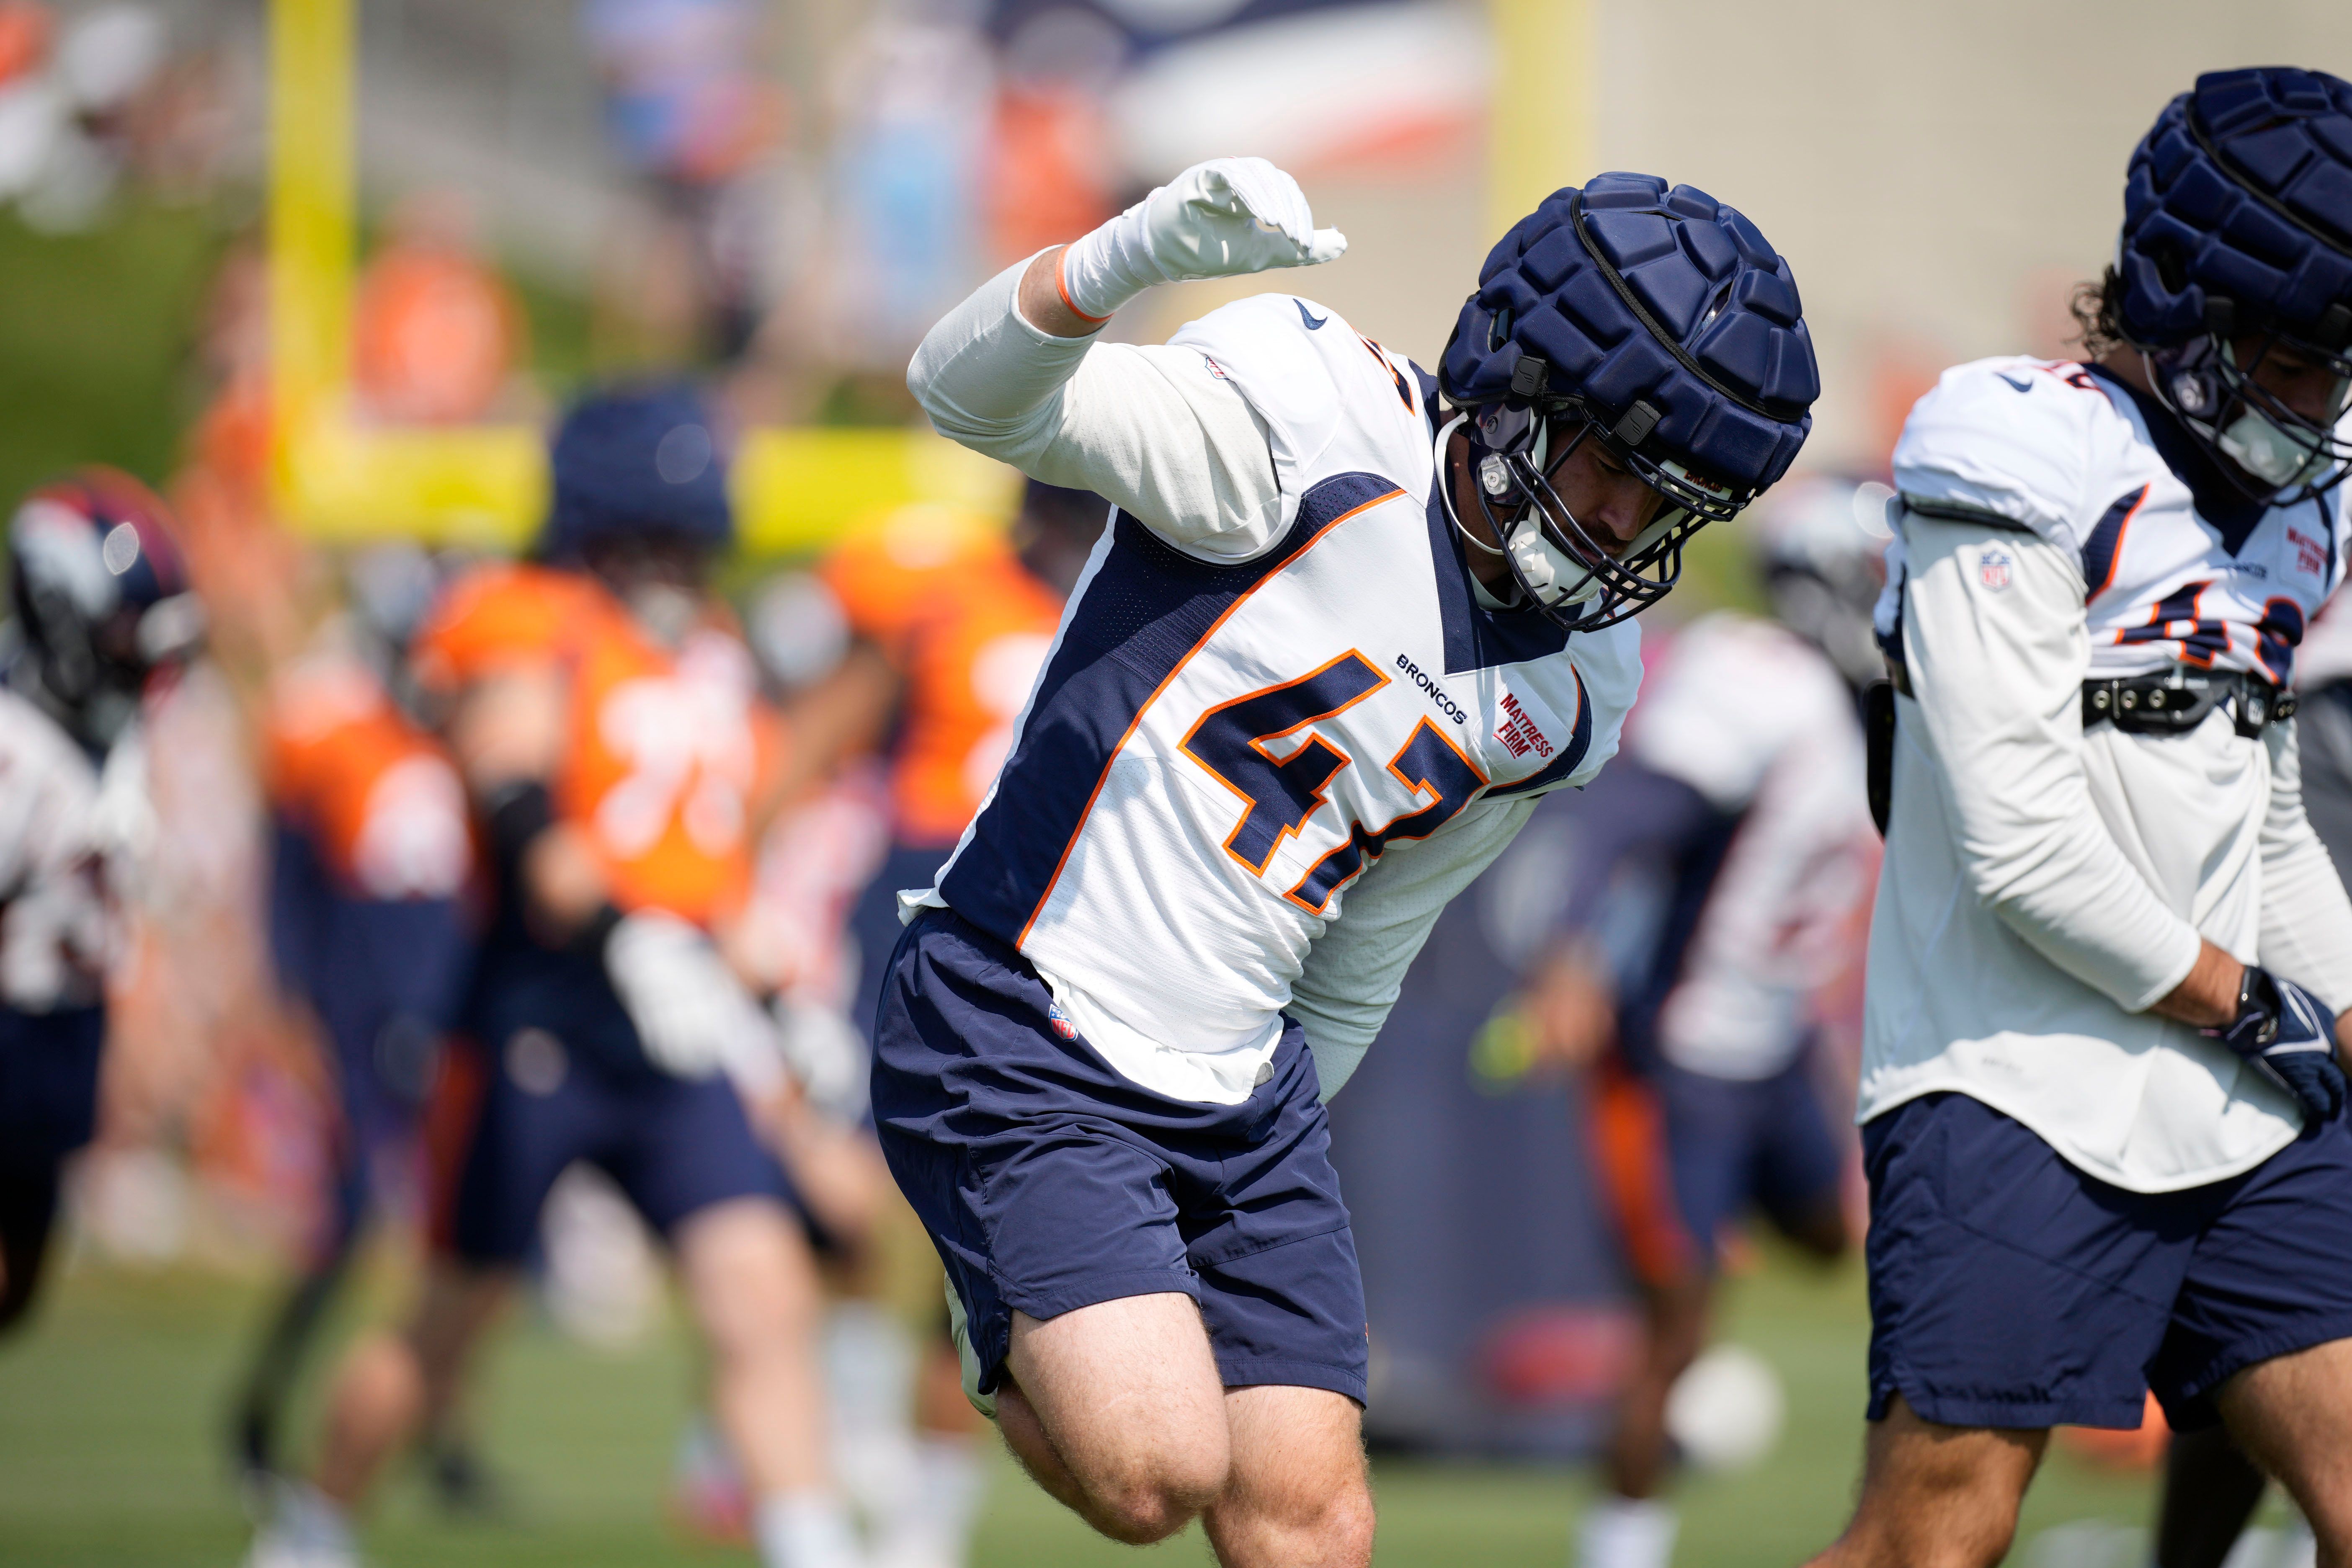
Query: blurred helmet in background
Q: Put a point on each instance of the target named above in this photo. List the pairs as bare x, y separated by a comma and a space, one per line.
637, 463
640, 500
101, 596
1657, 321
1820, 544
2238, 223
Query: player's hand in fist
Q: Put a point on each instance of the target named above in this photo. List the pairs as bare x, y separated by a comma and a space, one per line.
2285, 1034
1219, 219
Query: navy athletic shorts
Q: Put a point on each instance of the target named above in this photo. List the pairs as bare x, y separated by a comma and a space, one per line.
1682, 1154
1049, 1183
2007, 1289
516, 1107
49, 1085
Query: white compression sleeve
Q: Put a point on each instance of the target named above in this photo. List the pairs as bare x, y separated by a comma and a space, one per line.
1997, 659
1149, 429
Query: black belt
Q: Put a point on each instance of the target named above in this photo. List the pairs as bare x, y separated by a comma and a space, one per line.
2179, 700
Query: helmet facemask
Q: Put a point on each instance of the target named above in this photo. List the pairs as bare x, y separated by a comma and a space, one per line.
2275, 454
1564, 568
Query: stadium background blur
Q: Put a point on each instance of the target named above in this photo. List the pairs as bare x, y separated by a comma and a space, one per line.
781, 195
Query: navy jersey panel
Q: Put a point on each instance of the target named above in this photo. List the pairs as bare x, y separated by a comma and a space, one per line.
674, 1146
2009, 1290
48, 1083
1139, 611
1049, 1183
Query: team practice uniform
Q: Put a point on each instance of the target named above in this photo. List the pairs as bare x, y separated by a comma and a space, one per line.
1277, 729
2090, 771
1720, 867
665, 753
53, 951
369, 922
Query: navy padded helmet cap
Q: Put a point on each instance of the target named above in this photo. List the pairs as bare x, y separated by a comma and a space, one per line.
1631, 291
637, 460
2242, 191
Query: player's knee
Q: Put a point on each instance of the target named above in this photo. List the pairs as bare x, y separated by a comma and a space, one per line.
1153, 1495
1343, 1526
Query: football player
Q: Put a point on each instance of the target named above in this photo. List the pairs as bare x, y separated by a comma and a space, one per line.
1722, 869
101, 610
371, 931
608, 732
2102, 1115
1348, 621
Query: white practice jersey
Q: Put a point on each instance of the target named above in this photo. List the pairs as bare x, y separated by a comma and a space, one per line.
2044, 884
1760, 724
1228, 760
54, 925
2216, 581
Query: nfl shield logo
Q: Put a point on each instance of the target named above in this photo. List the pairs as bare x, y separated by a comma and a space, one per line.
1061, 1021
1993, 569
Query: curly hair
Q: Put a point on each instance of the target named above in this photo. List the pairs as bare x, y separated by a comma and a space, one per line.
2098, 310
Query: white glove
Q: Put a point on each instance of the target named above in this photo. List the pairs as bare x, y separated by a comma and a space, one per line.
1218, 219
693, 1015
828, 1057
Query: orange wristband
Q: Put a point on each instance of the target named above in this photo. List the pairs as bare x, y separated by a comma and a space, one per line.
1062, 287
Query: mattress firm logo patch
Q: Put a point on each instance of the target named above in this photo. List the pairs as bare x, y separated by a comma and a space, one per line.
1519, 734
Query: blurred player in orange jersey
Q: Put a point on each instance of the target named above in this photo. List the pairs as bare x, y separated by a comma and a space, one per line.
608, 734
950, 623
372, 933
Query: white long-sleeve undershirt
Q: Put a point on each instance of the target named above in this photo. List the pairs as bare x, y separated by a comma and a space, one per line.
1181, 452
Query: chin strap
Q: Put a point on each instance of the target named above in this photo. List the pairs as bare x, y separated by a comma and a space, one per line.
1446, 488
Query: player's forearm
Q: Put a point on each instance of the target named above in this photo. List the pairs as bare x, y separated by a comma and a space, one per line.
1996, 671
988, 376
1045, 299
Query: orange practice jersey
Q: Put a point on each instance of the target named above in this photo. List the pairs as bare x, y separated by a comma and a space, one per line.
376, 793
666, 749
967, 629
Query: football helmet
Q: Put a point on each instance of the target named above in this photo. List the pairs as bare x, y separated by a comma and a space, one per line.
1820, 544
1656, 320
102, 600
2237, 226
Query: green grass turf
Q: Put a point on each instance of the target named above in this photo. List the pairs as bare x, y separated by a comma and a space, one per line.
96, 334
109, 1452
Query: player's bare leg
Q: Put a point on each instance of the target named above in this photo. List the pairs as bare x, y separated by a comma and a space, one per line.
2293, 1415
1297, 1494
1674, 1319
1935, 1495
1116, 1410
752, 1284
2210, 1490
388, 1382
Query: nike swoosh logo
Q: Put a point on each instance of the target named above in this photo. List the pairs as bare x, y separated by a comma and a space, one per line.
1312, 324
2014, 386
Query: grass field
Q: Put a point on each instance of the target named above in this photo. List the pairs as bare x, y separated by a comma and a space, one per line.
108, 1453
